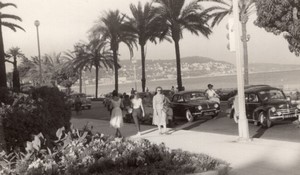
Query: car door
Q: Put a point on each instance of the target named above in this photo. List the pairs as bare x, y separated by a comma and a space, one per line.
252, 102
177, 104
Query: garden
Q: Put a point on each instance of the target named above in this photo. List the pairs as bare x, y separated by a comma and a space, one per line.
39, 139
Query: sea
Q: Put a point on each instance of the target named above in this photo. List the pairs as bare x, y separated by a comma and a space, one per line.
281, 79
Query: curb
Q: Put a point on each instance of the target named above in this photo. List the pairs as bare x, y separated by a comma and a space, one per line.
220, 170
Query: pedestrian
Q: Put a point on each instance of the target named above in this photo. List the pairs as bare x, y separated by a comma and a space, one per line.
127, 105
159, 112
173, 89
132, 91
147, 90
137, 111
211, 94
235, 106
77, 105
116, 120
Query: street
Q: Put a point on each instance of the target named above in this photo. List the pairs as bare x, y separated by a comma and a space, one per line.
99, 118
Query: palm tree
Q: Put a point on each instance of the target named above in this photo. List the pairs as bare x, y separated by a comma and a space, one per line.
15, 53
115, 29
224, 8
78, 53
13, 27
145, 24
179, 17
95, 55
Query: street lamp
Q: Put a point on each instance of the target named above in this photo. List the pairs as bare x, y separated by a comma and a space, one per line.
134, 71
37, 23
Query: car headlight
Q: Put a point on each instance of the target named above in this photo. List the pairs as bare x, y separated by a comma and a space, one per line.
273, 109
298, 106
199, 107
216, 105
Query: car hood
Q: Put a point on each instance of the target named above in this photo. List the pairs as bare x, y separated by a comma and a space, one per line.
281, 103
201, 102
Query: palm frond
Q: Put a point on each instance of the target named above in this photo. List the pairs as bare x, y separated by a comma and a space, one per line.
3, 16
2, 5
12, 26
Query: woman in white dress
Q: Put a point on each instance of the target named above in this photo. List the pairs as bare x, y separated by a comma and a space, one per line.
116, 120
159, 115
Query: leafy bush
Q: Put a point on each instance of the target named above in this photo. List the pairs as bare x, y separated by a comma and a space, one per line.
84, 153
43, 110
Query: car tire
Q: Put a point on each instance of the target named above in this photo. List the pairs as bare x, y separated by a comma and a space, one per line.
189, 116
264, 120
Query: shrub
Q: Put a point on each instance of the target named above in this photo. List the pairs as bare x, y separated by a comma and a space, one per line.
83, 153
43, 110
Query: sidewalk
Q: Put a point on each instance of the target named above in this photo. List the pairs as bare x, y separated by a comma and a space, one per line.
257, 157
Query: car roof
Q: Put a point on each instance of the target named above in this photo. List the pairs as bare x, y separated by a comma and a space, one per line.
260, 88
188, 92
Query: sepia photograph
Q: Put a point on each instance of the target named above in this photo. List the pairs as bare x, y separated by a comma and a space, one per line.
149, 87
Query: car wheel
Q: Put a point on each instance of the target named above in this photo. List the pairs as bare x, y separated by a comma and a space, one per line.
189, 116
264, 120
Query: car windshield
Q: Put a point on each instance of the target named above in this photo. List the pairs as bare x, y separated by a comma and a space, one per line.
194, 96
271, 95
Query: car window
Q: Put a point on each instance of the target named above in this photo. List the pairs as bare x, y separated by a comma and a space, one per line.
252, 98
271, 95
194, 96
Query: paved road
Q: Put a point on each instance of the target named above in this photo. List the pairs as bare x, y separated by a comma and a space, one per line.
99, 117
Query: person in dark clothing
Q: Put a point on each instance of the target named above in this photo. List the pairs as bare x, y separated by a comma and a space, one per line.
77, 104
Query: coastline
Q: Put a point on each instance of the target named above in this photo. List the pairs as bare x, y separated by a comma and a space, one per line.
185, 78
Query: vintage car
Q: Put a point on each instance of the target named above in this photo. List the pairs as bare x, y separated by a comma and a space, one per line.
193, 104
266, 104
85, 102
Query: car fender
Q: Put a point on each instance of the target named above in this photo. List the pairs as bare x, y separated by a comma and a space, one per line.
260, 109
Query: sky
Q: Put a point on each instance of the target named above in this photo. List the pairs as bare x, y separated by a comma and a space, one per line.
66, 22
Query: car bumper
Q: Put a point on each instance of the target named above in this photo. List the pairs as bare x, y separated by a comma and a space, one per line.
284, 116
206, 112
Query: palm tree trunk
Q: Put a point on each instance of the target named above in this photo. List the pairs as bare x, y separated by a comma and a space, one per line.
80, 81
16, 78
116, 69
143, 68
97, 74
244, 36
2, 61
178, 64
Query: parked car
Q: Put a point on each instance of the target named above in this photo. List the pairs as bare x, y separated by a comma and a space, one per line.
193, 104
86, 103
266, 105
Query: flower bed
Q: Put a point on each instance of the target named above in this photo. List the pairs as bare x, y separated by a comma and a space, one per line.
85, 153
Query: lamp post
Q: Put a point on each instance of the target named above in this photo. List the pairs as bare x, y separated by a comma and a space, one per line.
134, 72
37, 23
243, 122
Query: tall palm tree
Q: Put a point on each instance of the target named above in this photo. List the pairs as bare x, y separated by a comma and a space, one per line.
77, 53
146, 24
13, 27
223, 8
15, 53
179, 17
114, 28
95, 55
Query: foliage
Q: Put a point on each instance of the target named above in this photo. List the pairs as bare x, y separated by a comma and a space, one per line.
281, 17
44, 110
81, 152
15, 53
12, 26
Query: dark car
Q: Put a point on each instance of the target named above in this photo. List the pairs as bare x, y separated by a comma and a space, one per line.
266, 105
193, 104
85, 102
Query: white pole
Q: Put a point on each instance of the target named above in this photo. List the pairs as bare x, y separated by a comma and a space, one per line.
243, 122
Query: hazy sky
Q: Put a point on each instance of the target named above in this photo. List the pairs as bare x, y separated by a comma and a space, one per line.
65, 22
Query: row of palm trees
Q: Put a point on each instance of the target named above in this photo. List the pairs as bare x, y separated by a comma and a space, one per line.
154, 21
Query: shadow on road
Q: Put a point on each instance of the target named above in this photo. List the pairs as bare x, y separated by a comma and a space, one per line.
260, 132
